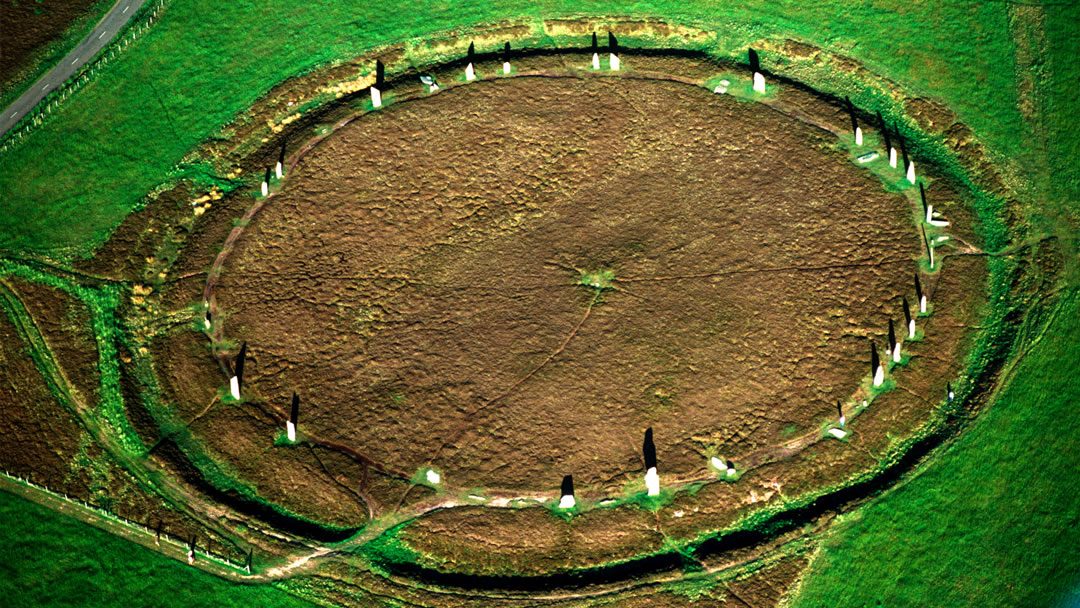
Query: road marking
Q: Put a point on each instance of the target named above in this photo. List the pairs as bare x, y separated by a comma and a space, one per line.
13, 114
74, 60
102, 34
125, 9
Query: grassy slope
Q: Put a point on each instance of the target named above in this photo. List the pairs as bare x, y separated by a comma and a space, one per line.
205, 61
59, 561
995, 520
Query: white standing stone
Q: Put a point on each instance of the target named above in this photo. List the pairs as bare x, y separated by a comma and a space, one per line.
596, 61
922, 304
470, 73
843, 420
567, 501
191, 557
858, 136
892, 157
277, 170
759, 82
911, 172
931, 258
731, 470
234, 387
929, 213
652, 481
717, 463
290, 430
911, 329
376, 98
206, 323
879, 375
265, 188
614, 62
896, 353
506, 67
433, 477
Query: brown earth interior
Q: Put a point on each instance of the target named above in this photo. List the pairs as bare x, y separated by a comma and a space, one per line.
29, 25
428, 253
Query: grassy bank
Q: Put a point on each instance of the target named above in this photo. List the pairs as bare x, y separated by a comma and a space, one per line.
75, 564
204, 62
992, 522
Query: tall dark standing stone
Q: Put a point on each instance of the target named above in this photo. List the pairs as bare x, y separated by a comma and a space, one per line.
238, 366
649, 450
884, 131
852, 114
568, 485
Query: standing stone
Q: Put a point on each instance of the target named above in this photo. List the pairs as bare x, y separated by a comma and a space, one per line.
652, 480
470, 73
567, 500
920, 295
238, 372
755, 67
894, 344
875, 365
613, 50
294, 416
595, 53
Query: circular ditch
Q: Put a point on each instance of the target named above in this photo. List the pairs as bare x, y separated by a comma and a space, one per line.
509, 281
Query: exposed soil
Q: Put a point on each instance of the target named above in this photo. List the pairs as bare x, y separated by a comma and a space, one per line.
29, 25
41, 437
242, 438
429, 253
46, 444
66, 325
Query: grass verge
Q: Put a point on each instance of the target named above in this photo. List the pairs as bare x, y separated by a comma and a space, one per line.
75, 564
992, 522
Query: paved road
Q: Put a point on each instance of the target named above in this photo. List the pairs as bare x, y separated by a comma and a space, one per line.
96, 40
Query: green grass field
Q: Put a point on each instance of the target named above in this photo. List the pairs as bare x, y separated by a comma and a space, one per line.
54, 560
990, 521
